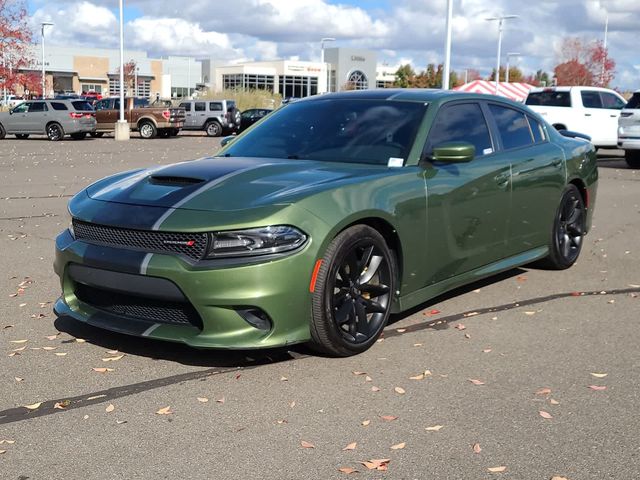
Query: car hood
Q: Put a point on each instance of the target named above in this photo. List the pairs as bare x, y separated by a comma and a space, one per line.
229, 183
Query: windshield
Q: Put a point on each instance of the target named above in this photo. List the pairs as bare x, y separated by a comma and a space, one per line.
634, 101
348, 130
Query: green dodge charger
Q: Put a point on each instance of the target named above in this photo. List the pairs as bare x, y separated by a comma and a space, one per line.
324, 218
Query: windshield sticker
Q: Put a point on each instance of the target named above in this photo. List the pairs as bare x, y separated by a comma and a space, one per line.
395, 162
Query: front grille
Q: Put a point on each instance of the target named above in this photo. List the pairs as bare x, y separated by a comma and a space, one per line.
132, 306
191, 245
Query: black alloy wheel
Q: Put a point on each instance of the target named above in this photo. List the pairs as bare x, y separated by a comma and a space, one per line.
2, 132
568, 230
354, 292
54, 132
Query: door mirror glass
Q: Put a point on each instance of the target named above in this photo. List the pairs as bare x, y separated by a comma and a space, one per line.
227, 140
454, 152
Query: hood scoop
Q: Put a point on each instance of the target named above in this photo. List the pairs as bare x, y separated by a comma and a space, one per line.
174, 181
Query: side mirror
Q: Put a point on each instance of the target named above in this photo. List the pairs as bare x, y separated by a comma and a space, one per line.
227, 140
454, 152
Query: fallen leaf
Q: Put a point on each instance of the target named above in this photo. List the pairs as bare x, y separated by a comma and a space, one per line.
417, 344
48, 349
368, 379
164, 411
559, 478
435, 428
477, 448
401, 330
19, 349
475, 381
546, 415
96, 397
19, 341
284, 379
292, 404
112, 359
486, 350
19, 379
434, 312
417, 377
38, 316
111, 352
388, 418
460, 326
467, 336
347, 470
496, 469
400, 390
554, 402
530, 312
398, 446
60, 354
359, 373
375, 389
576, 294
521, 278
543, 391
60, 405
599, 375
9, 442
33, 406
120, 422
103, 369
365, 423
110, 408
52, 337
2, 451
220, 400
280, 422
22, 305
471, 314
597, 388
304, 444
203, 399
351, 446
377, 464
80, 340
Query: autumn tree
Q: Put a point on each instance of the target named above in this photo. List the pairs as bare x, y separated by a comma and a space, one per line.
405, 76
15, 38
129, 70
584, 63
539, 79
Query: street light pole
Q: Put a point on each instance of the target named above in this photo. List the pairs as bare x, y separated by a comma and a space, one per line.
447, 47
42, 25
500, 20
135, 81
322, 40
122, 127
509, 55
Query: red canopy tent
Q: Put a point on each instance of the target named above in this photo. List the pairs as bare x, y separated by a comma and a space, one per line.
513, 90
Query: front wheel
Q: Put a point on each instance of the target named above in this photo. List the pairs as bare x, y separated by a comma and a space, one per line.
213, 129
353, 292
2, 132
54, 132
147, 130
568, 230
632, 158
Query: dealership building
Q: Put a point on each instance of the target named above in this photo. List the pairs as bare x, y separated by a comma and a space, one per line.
79, 69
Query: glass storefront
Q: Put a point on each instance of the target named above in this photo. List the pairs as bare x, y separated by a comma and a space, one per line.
298, 86
248, 82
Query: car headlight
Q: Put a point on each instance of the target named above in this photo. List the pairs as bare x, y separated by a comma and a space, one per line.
255, 241
71, 230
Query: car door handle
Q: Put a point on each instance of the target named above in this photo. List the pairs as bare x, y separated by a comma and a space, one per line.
502, 178
587, 114
613, 116
556, 162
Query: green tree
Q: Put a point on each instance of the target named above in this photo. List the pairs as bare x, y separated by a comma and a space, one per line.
405, 76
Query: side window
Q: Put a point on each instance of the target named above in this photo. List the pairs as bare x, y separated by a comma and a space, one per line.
199, 107
215, 106
609, 100
116, 104
512, 125
186, 106
102, 105
58, 106
591, 99
462, 122
536, 129
38, 107
22, 108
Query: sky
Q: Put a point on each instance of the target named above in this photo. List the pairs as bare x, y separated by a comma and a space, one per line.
400, 31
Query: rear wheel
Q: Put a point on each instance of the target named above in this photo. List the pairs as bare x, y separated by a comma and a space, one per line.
2, 132
633, 158
174, 132
96, 134
79, 135
353, 292
55, 132
213, 129
568, 231
22, 136
147, 130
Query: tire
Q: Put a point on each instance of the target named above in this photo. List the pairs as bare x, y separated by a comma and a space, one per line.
164, 133
79, 135
174, 132
213, 129
632, 157
96, 134
147, 130
55, 132
568, 231
2, 132
22, 136
353, 292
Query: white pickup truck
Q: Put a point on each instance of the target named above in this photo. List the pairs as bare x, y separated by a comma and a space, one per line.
593, 111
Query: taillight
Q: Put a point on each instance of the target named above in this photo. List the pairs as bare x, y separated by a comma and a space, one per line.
166, 114
75, 115
89, 115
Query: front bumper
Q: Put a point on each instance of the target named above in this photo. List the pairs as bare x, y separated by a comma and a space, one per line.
626, 143
217, 294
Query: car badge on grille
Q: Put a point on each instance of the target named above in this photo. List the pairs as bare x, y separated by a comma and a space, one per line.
183, 243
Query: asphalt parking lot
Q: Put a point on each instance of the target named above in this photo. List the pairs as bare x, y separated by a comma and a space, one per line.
532, 375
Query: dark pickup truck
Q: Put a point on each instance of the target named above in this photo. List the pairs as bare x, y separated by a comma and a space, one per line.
143, 117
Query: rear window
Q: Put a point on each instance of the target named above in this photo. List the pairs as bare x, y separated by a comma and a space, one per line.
215, 106
38, 107
82, 106
199, 106
634, 101
513, 127
549, 99
58, 106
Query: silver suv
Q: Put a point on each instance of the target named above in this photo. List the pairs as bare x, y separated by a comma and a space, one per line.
629, 130
213, 116
53, 118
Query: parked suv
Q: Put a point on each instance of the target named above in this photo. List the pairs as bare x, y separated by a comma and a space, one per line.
629, 131
53, 118
213, 116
